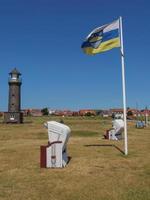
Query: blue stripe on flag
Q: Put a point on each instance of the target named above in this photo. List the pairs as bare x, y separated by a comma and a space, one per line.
105, 37
110, 35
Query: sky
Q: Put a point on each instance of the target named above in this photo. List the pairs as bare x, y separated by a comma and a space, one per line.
42, 39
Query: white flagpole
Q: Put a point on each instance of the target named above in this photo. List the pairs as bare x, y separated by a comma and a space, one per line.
124, 90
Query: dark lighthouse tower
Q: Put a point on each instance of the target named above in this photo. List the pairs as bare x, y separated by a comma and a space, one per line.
14, 114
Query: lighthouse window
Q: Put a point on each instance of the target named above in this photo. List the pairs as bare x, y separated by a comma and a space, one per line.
13, 95
14, 77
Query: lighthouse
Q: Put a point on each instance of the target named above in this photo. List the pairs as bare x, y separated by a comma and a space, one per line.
14, 114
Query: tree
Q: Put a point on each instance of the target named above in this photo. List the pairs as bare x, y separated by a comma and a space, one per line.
129, 113
89, 114
113, 116
45, 111
99, 112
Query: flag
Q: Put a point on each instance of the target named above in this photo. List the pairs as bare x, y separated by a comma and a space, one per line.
102, 39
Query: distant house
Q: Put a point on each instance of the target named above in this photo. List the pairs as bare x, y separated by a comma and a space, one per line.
35, 112
116, 110
133, 112
51, 111
75, 113
25, 112
117, 113
86, 112
145, 112
67, 113
58, 113
105, 113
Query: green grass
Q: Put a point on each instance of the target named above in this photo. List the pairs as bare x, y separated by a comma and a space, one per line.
84, 133
97, 169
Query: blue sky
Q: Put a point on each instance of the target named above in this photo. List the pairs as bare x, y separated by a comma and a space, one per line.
42, 39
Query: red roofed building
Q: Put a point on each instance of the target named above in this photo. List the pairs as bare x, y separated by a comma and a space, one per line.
86, 112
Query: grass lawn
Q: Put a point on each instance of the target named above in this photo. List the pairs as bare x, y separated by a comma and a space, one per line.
97, 169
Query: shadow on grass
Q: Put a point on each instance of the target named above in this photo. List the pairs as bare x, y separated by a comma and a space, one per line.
24, 122
69, 159
105, 145
27, 122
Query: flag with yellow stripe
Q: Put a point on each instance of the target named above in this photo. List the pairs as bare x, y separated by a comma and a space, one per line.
102, 39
